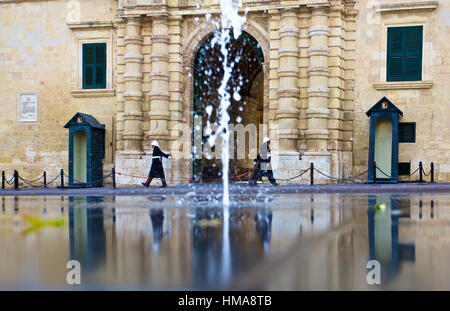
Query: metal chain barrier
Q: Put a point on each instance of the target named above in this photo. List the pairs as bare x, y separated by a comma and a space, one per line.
388, 176
286, 179
10, 182
406, 177
187, 179
113, 173
351, 178
94, 181
423, 171
30, 183
49, 183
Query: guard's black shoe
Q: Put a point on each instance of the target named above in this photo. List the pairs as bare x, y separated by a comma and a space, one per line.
275, 184
163, 186
144, 184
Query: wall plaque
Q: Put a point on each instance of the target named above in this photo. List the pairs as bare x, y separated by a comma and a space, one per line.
28, 107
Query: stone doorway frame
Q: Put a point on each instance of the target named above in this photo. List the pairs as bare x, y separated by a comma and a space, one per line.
194, 43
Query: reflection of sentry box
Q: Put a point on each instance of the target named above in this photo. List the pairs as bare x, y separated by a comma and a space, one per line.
86, 151
384, 245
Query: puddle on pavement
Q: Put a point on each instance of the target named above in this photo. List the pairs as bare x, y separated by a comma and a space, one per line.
285, 242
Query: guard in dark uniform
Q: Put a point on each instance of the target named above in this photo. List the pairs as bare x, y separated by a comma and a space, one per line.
157, 171
262, 164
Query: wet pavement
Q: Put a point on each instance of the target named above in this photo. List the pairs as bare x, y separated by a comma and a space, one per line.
236, 189
261, 242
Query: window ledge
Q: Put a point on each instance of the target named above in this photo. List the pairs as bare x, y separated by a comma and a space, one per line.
89, 24
93, 93
403, 85
408, 6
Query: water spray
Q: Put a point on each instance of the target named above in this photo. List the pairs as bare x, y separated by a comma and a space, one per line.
230, 21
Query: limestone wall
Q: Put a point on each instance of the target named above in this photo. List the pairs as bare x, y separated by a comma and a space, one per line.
40, 51
324, 67
424, 102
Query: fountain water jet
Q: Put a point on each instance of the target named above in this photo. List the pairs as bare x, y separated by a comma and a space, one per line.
229, 19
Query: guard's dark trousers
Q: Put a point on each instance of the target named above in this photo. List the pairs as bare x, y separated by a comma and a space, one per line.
149, 180
260, 173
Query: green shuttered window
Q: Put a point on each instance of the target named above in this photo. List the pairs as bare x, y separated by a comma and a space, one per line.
94, 66
404, 53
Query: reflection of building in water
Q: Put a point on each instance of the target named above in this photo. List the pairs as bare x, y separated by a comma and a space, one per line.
384, 245
32, 252
86, 232
207, 246
157, 218
407, 237
152, 244
248, 238
304, 216
263, 225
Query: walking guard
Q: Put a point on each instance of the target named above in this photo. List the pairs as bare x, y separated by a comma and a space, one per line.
262, 166
157, 171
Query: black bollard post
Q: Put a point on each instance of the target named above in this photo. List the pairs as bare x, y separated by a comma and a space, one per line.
432, 209
16, 204
420, 209
311, 172
432, 172
374, 171
114, 177
420, 171
45, 179
16, 180
3, 179
62, 178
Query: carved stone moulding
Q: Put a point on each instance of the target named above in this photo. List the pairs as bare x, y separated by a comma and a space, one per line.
165, 96
288, 92
133, 40
318, 51
318, 91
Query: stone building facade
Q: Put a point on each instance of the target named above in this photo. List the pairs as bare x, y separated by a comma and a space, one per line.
323, 66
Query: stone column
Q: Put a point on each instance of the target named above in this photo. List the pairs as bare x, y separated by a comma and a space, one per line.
336, 95
178, 165
132, 95
121, 33
288, 91
303, 64
146, 87
318, 91
349, 81
159, 80
288, 94
274, 63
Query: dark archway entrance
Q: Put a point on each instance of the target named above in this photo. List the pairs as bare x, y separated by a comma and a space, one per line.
246, 111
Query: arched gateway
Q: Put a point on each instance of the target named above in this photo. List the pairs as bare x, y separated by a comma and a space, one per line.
246, 110
296, 91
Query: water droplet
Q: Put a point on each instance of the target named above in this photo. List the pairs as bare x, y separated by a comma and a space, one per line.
209, 110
